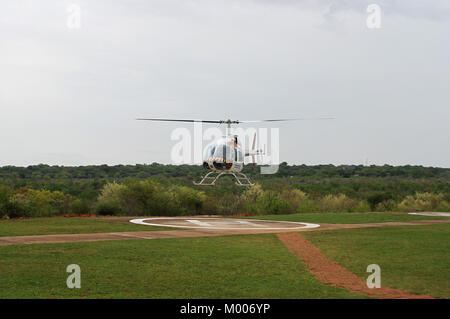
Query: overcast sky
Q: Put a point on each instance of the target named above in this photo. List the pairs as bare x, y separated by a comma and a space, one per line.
69, 96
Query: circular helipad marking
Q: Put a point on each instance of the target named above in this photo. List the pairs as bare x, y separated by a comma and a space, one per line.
222, 223
431, 214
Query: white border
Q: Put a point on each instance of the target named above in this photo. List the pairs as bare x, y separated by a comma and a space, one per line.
141, 221
432, 214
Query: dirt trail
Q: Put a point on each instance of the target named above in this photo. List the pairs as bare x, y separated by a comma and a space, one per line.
67, 238
329, 272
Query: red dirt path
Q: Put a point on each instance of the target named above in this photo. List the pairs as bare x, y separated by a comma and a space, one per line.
329, 272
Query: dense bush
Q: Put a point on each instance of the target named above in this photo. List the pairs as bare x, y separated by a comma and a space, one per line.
46, 172
337, 203
378, 199
27, 202
187, 199
5, 195
272, 204
158, 189
148, 198
251, 200
295, 197
110, 200
308, 206
424, 202
80, 207
108, 208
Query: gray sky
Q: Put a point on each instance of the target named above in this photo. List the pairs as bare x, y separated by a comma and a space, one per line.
70, 96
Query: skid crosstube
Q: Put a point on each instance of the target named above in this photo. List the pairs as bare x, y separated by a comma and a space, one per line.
211, 178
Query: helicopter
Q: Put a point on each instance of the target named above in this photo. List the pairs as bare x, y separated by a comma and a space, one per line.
225, 156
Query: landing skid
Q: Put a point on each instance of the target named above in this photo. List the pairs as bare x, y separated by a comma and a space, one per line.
211, 178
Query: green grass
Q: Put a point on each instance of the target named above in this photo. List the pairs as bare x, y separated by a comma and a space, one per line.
83, 225
347, 218
66, 225
412, 258
247, 266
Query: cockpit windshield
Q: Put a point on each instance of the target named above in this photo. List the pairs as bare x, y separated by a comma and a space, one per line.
225, 152
220, 150
209, 151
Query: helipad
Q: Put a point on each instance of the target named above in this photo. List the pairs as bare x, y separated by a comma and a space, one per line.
222, 223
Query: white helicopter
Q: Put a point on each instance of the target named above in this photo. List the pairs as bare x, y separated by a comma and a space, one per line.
225, 156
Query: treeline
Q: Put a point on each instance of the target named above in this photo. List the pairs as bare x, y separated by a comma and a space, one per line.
158, 189
46, 172
149, 197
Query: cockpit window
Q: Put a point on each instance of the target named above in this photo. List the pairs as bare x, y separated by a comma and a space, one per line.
240, 155
209, 151
225, 152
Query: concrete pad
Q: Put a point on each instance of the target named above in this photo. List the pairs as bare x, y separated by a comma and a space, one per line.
222, 223
437, 214
202, 231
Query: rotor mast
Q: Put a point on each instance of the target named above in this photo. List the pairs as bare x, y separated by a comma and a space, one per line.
228, 128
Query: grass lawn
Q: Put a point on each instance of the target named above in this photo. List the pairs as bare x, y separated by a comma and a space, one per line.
66, 225
83, 225
245, 266
347, 218
412, 258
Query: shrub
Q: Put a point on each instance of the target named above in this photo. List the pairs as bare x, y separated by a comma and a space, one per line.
10, 205
252, 194
110, 200
111, 192
188, 200
212, 205
47, 203
337, 203
144, 197
149, 198
251, 200
376, 198
5, 195
444, 206
272, 204
79, 207
294, 197
386, 206
308, 206
108, 208
14, 208
27, 202
362, 207
226, 204
422, 201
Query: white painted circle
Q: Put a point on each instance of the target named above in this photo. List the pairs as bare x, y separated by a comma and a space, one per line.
219, 223
436, 214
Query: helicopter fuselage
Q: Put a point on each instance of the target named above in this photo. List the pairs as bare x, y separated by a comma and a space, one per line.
224, 155
219, 165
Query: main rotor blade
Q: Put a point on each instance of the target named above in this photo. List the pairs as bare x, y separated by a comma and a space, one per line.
176, 120
236, 121
283, 120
